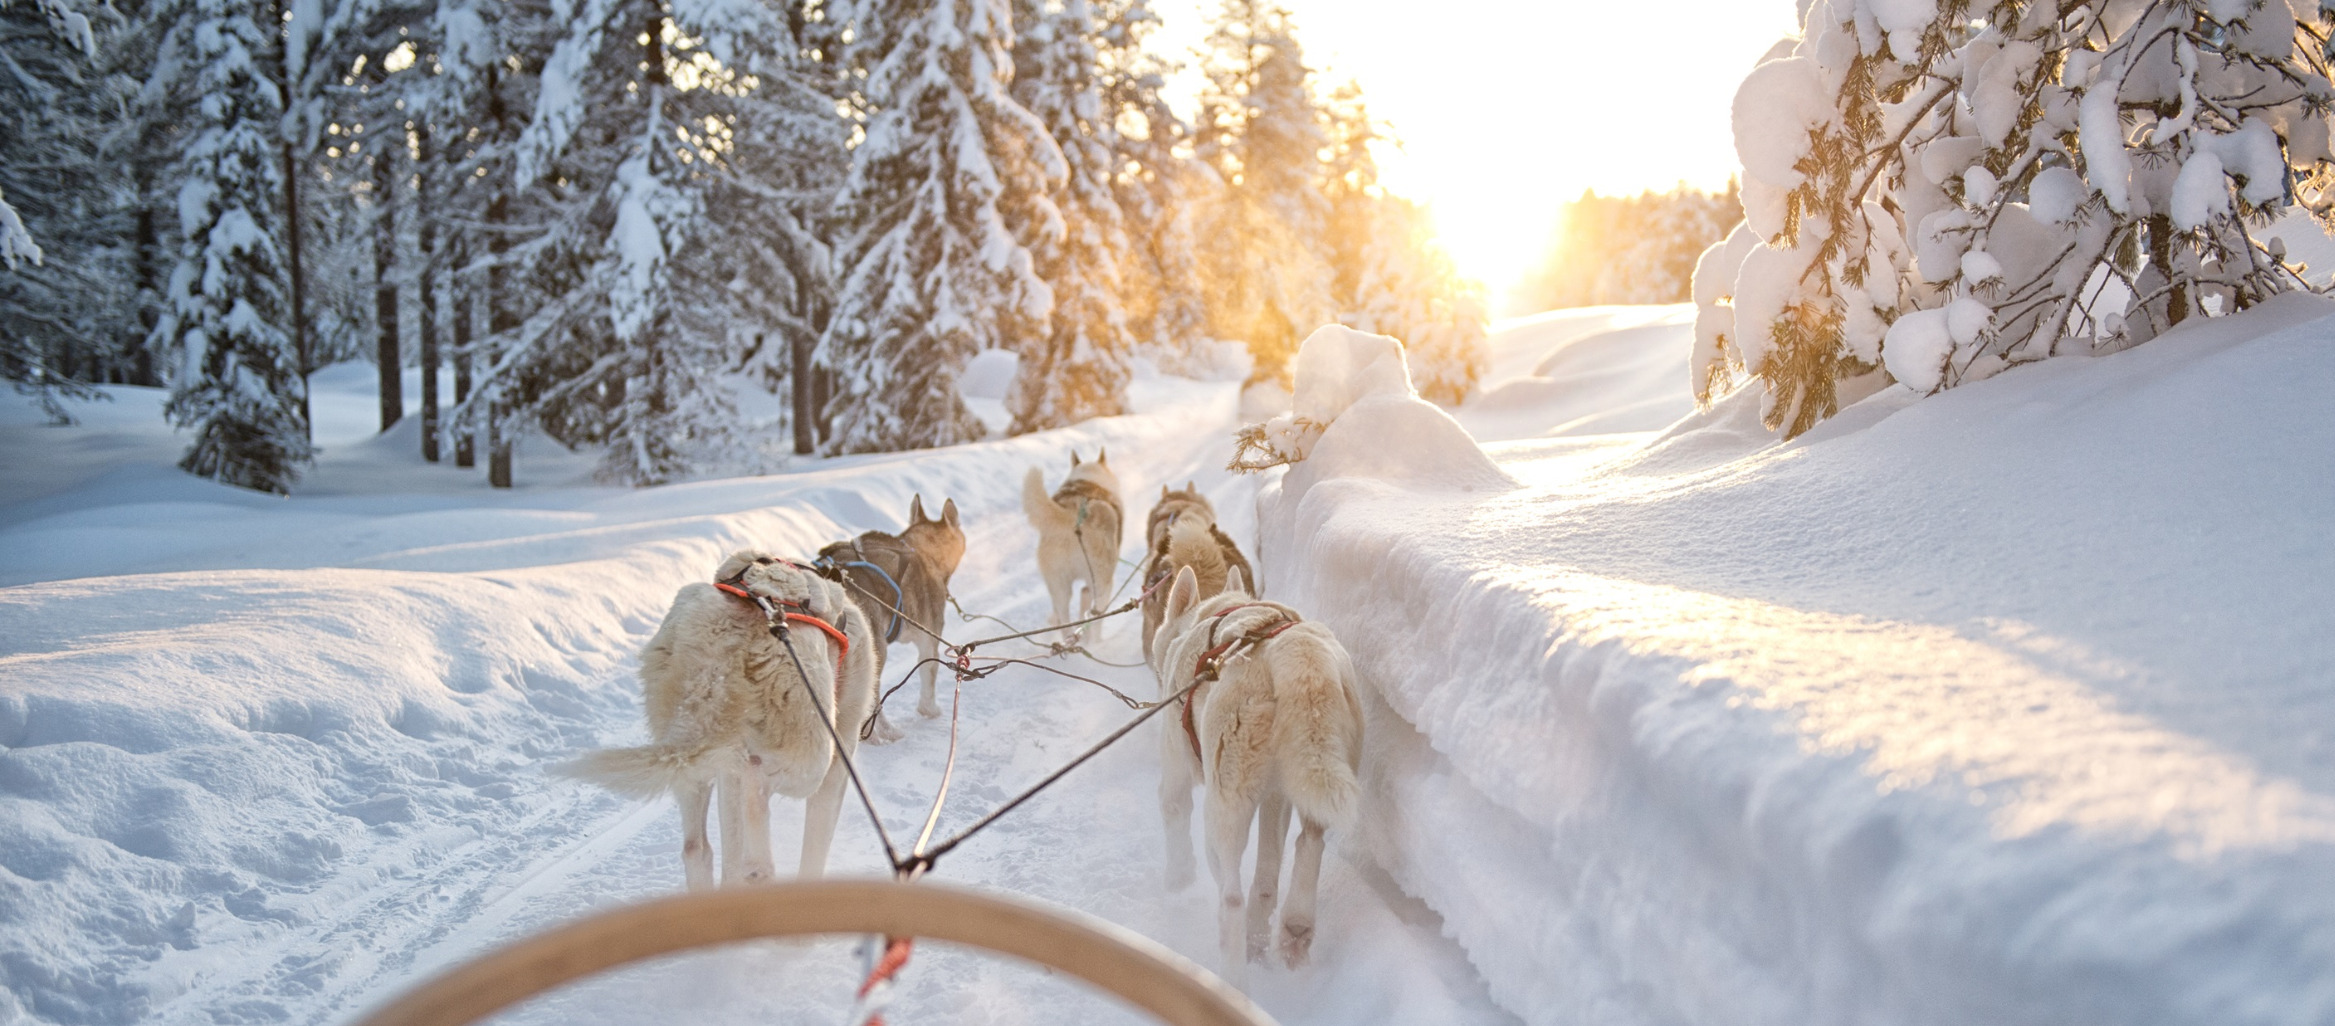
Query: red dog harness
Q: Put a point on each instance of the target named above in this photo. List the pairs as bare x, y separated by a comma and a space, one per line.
842, 644
1211, 662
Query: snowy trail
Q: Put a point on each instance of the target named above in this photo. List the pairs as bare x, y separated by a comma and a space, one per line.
324, 783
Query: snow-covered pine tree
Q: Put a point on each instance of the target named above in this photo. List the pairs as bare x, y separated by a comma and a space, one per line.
1945, 190
1078, 369
1261, 126
1161, 190
947, 190
235, 379
1406, 286
67, 303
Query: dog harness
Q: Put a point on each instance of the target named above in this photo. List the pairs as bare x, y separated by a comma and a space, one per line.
891, 633
1211, 662
795, 611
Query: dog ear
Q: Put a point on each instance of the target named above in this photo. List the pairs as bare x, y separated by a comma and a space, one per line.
916, 509
1074, 457
1102, 455
1181, 594
948, 512
1163, 493
1234, 580
1190, 487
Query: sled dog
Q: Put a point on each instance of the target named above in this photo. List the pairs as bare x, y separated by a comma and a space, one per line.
1176, 508
1078, 532
901, 581
726, 706
1274, 727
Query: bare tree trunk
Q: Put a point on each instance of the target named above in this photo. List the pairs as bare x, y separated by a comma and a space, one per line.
426, 290
386, 353
465, 448
805, 415
498, 311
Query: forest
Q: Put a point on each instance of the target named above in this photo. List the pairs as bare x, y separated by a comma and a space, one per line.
630, 224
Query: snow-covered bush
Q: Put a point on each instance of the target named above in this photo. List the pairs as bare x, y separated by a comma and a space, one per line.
1939, 190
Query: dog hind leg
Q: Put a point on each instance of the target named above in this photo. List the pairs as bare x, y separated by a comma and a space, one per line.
696, 850
928, 649
1272, 834
1228, 816
819, 815
1175, 805
753, 838
1304, 880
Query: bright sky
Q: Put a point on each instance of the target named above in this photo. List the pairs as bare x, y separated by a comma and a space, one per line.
1509, 108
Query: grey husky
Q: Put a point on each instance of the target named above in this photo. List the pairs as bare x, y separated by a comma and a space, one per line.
901, 581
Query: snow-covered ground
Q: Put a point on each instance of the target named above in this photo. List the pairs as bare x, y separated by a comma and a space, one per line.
271, 760
2010, 705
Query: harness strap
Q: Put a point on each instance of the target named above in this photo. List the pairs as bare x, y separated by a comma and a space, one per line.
1211, 662
842, 644
892, 632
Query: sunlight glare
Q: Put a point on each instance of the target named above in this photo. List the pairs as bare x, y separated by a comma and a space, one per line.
1509, 110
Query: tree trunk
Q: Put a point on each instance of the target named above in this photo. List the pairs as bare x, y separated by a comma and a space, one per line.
386, 354
2161, 253
465, 448
426, 291
805, 415
498, 308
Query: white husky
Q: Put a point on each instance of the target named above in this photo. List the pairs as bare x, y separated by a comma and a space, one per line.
1078, 532
1275, 725
725, 704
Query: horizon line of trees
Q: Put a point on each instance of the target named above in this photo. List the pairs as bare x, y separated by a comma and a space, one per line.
1629, 249
612, 220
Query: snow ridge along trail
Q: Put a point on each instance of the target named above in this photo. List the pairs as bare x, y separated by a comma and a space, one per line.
2008, 705
274, 768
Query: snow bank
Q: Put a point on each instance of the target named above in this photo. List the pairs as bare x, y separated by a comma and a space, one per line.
2005, 706
1355, 414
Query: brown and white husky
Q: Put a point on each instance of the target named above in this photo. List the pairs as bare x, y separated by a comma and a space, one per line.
901, 581
1078, 532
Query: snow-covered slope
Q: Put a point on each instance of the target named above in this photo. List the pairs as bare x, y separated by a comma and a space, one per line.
2009, 705
1594, 370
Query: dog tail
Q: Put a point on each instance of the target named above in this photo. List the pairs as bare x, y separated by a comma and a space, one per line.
1317, 724
1039, 505
649, 771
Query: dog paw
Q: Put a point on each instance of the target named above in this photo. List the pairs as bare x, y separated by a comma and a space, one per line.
884, 733
1179, 877
1296, 943
928, 709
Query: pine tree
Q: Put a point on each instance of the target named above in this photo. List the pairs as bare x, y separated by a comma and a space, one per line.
1079, 369
64, 302
1261, 126
947, 192
1161, 190
236, 380
1641, 249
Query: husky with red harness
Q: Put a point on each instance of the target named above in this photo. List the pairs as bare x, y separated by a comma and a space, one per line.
1274, 727
736, 682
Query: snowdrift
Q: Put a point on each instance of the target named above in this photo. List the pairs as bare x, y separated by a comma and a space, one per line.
2004, 706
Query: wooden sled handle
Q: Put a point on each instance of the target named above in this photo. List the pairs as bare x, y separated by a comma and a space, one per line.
1118, 960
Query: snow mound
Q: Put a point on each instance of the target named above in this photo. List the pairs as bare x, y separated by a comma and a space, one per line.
1584, 372
1355, 414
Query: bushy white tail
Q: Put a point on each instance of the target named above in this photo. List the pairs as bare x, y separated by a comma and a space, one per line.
650, 771
1317, 725
1039, 504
